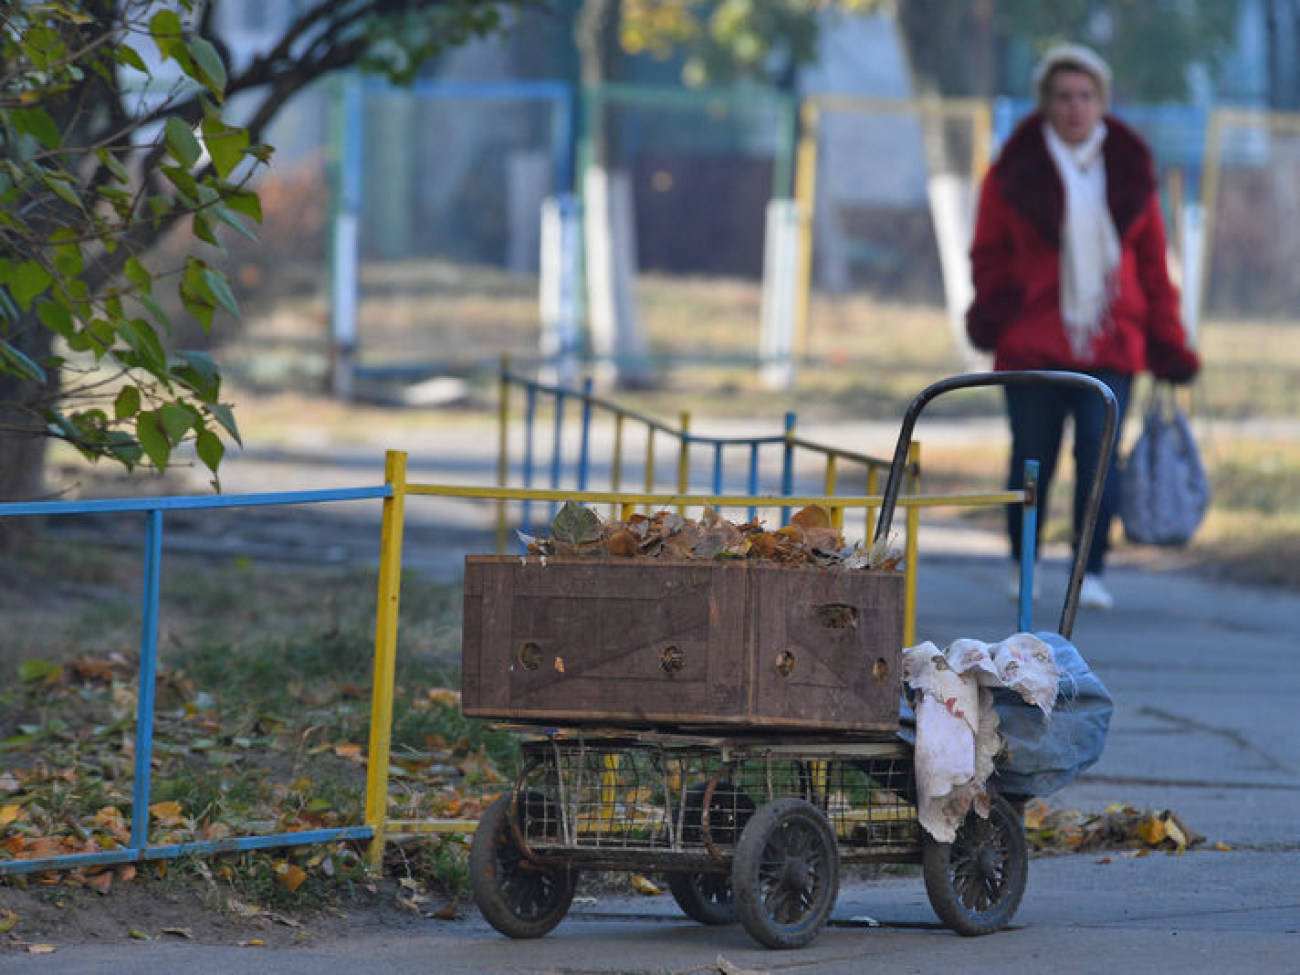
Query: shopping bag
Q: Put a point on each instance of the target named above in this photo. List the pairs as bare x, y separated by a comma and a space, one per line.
1164, 490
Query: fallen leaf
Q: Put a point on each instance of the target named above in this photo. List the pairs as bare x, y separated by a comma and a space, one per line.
138, 935
178, 932
8, 921
42, 949
289, 876
646, 886
251, 943
445, 913
1222, 847
10, 813
101, 882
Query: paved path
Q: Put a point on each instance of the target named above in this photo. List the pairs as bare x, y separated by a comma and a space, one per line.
1206, 680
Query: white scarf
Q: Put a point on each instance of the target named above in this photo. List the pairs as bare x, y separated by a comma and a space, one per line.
1090, 251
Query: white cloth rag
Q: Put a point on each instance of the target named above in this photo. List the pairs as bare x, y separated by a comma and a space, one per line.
956, 726
1090, 248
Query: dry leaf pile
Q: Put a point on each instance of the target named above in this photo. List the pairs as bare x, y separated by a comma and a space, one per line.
809, 539
1119, 827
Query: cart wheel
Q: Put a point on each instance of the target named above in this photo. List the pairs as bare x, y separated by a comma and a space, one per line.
704, 897
975, 883
518, 898
786, 874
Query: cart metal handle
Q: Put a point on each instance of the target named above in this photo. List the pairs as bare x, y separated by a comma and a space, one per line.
1019, 378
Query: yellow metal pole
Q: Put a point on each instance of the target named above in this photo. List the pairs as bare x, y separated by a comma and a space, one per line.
684, 459
873, 488
805, 195
828, 489
503, 450
912, 549
649, 460
381, 694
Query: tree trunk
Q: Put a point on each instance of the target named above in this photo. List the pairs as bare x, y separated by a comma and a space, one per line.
23, 437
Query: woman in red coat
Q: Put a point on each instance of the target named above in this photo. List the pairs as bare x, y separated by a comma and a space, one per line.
1069, 271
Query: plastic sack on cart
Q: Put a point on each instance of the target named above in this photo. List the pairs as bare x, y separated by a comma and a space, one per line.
1040, 756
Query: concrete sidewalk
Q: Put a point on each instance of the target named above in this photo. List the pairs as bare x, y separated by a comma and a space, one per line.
1205, 681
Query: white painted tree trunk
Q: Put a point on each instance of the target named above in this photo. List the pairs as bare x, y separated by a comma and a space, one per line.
617, 333
951, 208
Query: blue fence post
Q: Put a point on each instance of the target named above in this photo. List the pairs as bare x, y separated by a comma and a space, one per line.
141, 786
1028, 548
717, 467
787, 466
753, 477
584, 452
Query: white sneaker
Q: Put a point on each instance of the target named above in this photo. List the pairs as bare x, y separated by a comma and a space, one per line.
1013, 584
1093, 594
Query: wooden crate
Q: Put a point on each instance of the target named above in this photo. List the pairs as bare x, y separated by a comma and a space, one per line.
731, 645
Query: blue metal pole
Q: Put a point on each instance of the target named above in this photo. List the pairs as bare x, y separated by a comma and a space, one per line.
584, 455
717, 467
148, 677
753, 477
787, 466
1028, 548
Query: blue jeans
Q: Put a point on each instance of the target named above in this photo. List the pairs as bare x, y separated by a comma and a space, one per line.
1037, 413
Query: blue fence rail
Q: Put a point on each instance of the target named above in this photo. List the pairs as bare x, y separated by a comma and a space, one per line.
154, 510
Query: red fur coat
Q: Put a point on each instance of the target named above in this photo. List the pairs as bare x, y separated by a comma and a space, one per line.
1016, 263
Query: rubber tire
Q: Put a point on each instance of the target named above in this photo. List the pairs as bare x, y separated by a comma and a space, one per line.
704, 897
777, 909
976, 882
519, 900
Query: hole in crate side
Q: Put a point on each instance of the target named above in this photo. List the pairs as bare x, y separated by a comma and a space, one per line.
530, 656
880, 670
672, 659
838, 616
785, 663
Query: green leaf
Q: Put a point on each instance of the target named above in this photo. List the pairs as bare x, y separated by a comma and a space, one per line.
246, 202
153, 439
31, 670
211, 70
184, 182
144, 340
226, 417
210, 449
228, 218
127, 403
28, 281
114, 166
139, 275
219, 288
37, 123
177, 419
226, 146
199, 373
56, 317
181, 142
125, 54
18, 363
165, 27
202, 227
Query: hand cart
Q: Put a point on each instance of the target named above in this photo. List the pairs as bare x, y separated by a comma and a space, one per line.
745, 823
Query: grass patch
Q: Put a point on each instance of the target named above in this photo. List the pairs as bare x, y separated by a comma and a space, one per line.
261, 723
